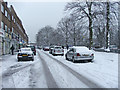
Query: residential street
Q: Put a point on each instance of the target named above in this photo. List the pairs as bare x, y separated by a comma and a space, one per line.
47, 71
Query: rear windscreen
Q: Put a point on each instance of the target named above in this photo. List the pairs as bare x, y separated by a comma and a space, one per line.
57, 47
32, 47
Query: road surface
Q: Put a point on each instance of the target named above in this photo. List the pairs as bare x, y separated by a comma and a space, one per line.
45, 71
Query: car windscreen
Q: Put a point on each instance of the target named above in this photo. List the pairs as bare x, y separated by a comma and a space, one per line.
32, 47
25, 49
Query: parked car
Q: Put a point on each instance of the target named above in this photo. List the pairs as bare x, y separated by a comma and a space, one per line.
46, 48
58, 50
113, 48
25, 54
77, 53
39, 47
32, 48
50, 49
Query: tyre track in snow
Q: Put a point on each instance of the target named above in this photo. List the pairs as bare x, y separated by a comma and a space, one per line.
85, 80
36, 77
14, 69
49, 78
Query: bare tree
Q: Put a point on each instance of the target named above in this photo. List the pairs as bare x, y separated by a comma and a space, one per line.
63, 26
83, 10
111, 19
119, 26
43, 36
49, 36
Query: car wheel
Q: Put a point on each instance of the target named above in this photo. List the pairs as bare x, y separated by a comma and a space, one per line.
18, 60
92, 61
89, 60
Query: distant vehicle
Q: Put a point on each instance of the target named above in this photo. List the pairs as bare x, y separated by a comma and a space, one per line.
57, 50
39, 47
32, 48
77, 53
25, 54
50, 49
113, 48
46, 48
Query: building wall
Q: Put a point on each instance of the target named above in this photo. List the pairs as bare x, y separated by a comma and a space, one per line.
0, 31
7, 35
14, 33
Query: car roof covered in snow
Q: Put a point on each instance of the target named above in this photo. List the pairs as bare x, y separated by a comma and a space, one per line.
80, 48
25, 48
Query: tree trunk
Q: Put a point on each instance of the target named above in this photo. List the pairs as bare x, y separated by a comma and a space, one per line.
66, 34
90, 34
107, 24
74, 35
90, 26
119, 26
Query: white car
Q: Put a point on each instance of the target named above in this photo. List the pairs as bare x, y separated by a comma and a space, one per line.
25, 54
57, 50
77, 53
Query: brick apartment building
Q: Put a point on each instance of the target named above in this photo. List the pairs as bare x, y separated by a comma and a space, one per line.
12, 31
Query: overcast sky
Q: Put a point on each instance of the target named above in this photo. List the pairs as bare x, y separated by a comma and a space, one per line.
35, 15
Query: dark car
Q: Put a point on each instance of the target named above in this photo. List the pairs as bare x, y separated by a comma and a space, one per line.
32, 48
46, 48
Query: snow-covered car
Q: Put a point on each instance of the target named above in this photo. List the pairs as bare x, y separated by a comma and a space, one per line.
25, 54
77, 53
57, 50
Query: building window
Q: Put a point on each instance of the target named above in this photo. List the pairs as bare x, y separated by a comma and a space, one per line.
9, 16
9, 30
12, 18
12, 36
2, 25
2, 8
5, 28
12, 29
5, 13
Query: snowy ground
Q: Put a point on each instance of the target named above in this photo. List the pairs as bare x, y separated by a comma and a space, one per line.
46, 72
103, 71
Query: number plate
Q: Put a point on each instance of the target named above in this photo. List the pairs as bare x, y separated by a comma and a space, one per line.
24, 55
85, 54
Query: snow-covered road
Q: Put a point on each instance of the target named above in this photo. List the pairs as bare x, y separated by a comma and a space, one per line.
49, 71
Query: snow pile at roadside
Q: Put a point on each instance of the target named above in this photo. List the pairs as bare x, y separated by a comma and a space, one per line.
19, 72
